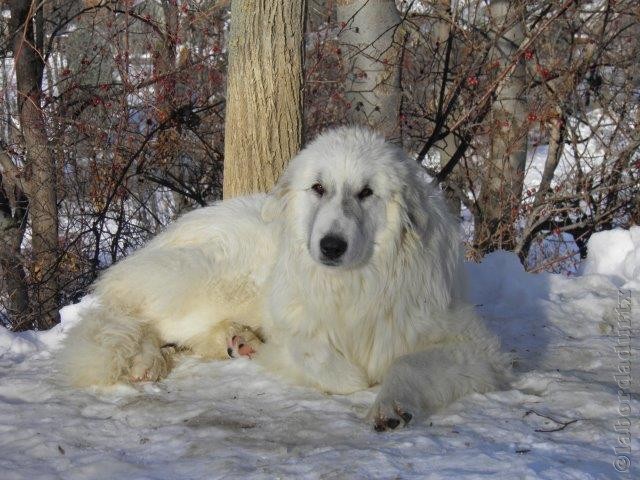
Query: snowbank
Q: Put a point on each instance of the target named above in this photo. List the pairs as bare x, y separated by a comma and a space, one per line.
212, 420
616, 254
17, 345
501, 279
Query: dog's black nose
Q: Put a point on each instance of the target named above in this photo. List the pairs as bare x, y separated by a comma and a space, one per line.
333, 247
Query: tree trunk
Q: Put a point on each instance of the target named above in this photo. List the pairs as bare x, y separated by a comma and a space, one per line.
371, 50
168, 100
11, 266
263, 125
501, 189
41, 179
542, 210
444, 44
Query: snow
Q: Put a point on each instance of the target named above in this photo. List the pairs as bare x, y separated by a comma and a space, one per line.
229, 419
622, 263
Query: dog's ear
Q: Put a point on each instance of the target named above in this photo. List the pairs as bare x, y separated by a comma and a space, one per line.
276, 200
412, 207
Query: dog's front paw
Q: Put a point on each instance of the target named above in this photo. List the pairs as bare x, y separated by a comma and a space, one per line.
151, 365
390, 411
243, 342
238, 346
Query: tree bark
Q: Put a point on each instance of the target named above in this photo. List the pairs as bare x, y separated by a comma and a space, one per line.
444, 44
502, 182
542, 209
40, 165
263, 125
169, 98
371, 53
11, 265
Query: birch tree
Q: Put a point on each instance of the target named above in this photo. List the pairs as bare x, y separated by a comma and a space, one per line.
371, 44
501, 189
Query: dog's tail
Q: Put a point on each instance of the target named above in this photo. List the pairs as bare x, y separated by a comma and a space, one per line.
100, 348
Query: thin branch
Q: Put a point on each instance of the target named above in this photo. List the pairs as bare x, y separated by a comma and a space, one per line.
561, 424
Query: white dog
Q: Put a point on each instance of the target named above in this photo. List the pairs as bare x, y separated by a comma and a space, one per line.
350, 270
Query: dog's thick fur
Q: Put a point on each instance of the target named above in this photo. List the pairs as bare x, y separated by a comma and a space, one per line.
389, 310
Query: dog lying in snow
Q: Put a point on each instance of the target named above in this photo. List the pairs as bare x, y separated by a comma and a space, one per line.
349, 270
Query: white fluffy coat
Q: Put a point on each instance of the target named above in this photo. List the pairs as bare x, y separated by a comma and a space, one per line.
392, 313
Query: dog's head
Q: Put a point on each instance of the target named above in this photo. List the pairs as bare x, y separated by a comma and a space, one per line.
342, 193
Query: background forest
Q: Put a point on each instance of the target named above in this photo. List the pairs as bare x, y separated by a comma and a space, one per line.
113, 117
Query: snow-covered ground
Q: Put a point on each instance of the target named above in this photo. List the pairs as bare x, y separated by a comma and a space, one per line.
566, 414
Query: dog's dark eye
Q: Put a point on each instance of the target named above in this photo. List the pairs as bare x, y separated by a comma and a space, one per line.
319, 189
364, 193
